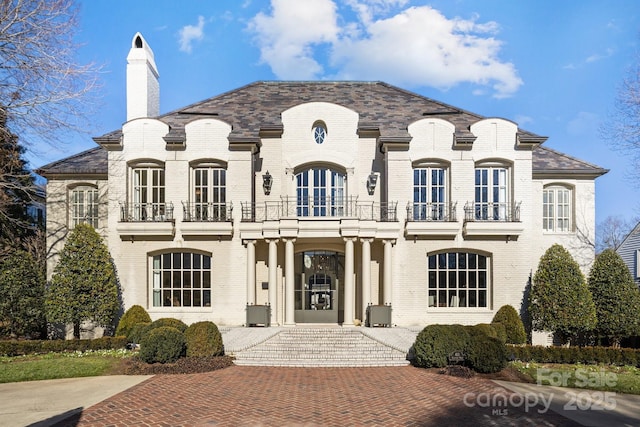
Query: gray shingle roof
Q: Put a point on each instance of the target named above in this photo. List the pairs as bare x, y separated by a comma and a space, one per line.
551, 162
258, 106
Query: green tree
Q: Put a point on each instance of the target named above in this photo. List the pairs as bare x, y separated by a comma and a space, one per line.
560, 300
615, 296
83, 286
22, 295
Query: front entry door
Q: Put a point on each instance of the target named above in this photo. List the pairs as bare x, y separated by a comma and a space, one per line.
318, 293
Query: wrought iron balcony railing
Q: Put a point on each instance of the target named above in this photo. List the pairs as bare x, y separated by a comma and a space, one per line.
442, 212
146, 212
207, 212
499, 212
315, 207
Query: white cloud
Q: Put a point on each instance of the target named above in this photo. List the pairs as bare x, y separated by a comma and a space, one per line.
190, 33
598, 56
417, 46
522, 120
287, 36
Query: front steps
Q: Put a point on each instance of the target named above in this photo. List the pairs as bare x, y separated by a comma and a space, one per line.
320, 347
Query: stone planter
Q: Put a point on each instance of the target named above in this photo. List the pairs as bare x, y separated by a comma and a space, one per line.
378, 315
258, 315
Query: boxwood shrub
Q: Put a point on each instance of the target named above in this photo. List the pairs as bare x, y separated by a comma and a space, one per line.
164, 344
134, 315
485, 353
168, 321
435, 343
203, 339
508, 316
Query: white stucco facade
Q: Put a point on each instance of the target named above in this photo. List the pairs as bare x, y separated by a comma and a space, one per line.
324, 243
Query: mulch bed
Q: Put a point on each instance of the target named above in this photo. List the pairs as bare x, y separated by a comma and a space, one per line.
185, 365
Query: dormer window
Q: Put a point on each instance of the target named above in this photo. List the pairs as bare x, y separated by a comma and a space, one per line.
319, 132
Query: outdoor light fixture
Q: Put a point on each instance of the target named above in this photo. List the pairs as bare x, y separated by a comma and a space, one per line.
371, 183
267, 180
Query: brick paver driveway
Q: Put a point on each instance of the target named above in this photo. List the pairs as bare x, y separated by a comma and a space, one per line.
264, 396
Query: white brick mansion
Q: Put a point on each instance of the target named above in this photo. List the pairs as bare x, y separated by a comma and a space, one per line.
319, 199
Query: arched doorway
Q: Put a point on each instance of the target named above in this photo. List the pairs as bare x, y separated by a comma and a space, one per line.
318, 288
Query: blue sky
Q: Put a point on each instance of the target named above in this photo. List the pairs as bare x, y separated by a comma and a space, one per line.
554, 67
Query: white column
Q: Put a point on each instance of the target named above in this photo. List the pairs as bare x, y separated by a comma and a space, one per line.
387, 273
349, 288
366, 276
251, 271
273, 270
289, 301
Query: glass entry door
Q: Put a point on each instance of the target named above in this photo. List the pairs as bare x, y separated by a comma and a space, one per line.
318, 296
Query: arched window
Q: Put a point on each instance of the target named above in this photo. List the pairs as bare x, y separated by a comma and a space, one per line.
209, 194
492, 200
320, 192
458, 279
147, 201
84, 206
557, 209
430, 191
181, 279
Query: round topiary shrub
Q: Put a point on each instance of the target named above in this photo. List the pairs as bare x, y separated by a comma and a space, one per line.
484, 353
162, 345
168, 321
435, 343
203, 339
135, 314
508, 316
138, 331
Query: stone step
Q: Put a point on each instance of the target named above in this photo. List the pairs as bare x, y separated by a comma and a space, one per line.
320, 347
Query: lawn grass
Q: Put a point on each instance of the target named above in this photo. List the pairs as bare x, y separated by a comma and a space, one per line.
59, 365
619, 379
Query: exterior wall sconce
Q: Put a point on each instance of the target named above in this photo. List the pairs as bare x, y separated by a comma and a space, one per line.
267, 181
372, 180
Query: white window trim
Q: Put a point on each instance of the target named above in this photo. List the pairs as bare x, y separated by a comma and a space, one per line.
554, 189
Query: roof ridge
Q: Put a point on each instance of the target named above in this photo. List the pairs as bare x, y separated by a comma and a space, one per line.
66, 159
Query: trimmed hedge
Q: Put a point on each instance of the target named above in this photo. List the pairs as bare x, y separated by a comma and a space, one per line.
435, 343
484, 351
21, 348
164, 344
138, 331
134, 315
571, 355
203, 339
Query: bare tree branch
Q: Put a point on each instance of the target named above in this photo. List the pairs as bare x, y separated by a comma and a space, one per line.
42, 86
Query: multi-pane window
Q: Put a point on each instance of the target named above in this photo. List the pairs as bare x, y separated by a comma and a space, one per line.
181, 279
458, 279
320, 192
429, 194
556, 209
209, 194
84, 206
491, 194
149, 194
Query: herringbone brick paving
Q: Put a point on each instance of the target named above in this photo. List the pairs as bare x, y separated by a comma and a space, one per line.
273, 396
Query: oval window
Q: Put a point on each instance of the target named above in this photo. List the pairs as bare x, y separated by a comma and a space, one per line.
319, 134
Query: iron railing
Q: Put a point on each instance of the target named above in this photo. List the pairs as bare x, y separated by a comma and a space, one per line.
314, 207
146, 212
207, 212
499, 212
425, 212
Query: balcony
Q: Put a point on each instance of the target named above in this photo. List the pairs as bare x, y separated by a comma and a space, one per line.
322, 208
207, 219
432, 220
492, 219
146, 219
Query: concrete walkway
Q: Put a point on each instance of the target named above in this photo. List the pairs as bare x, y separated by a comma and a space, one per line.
43, 403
